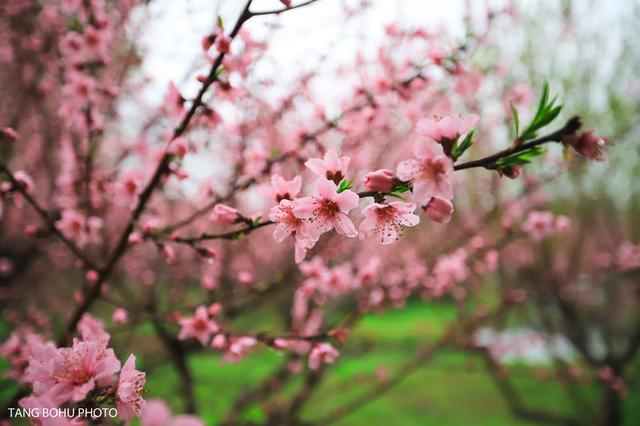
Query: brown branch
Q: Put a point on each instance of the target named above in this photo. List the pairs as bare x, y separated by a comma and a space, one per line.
281, 10
513, 399
489, 162
94, 290
178, 357
47, 218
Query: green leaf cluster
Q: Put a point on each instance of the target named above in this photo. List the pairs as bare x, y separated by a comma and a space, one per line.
344, 185
460, 147
546, 113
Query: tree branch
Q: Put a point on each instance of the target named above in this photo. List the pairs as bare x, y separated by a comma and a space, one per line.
489, 162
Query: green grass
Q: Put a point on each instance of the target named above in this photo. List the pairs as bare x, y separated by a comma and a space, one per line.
453, 388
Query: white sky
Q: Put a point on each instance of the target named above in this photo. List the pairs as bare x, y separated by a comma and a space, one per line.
173, 38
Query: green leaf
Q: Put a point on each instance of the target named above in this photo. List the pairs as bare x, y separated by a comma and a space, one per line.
516, 119
220, 23
461, 147
75, 25
399, 189
519, 158
344, 185
546, 113
395, 195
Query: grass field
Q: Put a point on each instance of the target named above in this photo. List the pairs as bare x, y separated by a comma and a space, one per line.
454, 388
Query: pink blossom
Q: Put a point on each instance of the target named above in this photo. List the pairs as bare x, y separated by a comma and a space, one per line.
332, 166
80, 87
286, 2
74, 225
129, 185
448, 270
512, 172
92, 329
238, 348
173, 102
179, 147
8, 133
200, 326
219, 341
6, 267
322, 353
446, 130
382, 180
328, 210
285, 189
16, 349
541, 224
69, 374
207, 41
129, 401
157, 413
287, 223
439, 210
120, 316
388, 220
92, 276
520, 95
25, 180
225, 215
223, 43
245, 277
302, 246
430, 174
588, 145
628, 256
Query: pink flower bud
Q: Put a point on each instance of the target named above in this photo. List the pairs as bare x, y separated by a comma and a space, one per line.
382, 180
120, 316
341, 334
245, 278
223, 43
9, 134
25, 180
215, 309
92, 276
207, 42
135, 238
219, 341
225, 215
439, 210
512, 172
588, 144
286, 2
31, 230
279, 343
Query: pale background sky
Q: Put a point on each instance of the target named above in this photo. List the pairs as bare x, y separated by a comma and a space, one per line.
177, 26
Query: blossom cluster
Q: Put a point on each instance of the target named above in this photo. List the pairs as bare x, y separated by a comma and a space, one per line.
88, 372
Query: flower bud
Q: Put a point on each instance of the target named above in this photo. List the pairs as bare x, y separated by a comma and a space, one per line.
588, 144
223, 43
225, 215
120, 316
439, 210
9, 134
382, 180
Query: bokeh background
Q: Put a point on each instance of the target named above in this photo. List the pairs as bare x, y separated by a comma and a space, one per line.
551, 348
